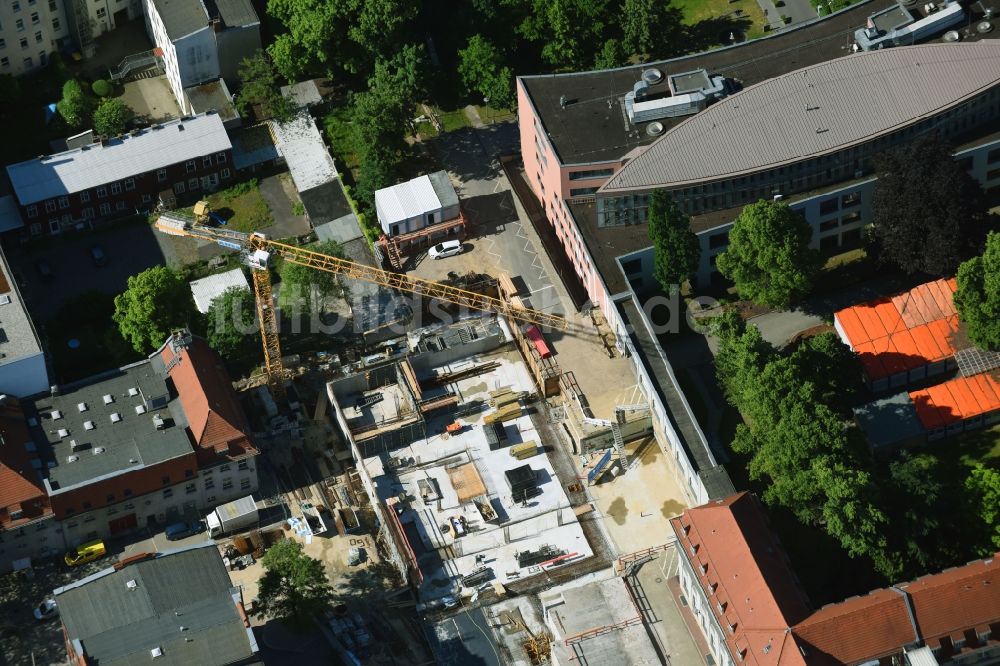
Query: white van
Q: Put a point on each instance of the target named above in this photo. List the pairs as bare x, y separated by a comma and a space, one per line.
446, 249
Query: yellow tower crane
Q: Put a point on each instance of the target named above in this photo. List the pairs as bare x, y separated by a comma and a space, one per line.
258, 250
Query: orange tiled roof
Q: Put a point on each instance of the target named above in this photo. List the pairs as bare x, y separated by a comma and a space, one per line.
856, 630
214, 416
957, 400
745, 573
912, 329
20, 487
948, 603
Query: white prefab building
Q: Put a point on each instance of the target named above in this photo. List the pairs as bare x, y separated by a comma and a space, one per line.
416, 204
209, 288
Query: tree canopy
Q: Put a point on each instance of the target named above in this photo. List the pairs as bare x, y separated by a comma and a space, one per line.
977, 297
303, 288
929, 214
73, 107
294, 587
676, 250
769, 257
112, 117
156, 302
983, 486
259, 85
232, 328
482, 70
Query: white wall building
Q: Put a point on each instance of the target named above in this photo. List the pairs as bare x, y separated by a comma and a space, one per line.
30, 32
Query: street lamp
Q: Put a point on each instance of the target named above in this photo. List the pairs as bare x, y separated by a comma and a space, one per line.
486, 101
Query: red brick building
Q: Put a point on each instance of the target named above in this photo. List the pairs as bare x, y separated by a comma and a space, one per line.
121, 175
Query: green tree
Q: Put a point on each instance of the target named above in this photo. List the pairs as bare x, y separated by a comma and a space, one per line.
482, 70
983, 486
912, 494
316, 41
832, 367
232, 328
610, 56
650, 27
112, 117
676, 250
401, 79
377, 25
769, 257
977, 297
303, 288
156, 302
374, 173
102, 88
294, 587
73, 106
929, 214
742, 355
569, 31
259, 85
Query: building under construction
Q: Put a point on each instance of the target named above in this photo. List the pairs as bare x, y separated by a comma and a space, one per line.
451, 458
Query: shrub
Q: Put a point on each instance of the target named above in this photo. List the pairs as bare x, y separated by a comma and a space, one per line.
102, 88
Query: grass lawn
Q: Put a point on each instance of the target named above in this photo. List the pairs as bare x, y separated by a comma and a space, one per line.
716, 19
453, 120
242, 206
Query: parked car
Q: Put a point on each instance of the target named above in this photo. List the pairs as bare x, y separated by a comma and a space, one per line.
98, 255
85, 552
43, 269
46, 610
446, 249
183, 530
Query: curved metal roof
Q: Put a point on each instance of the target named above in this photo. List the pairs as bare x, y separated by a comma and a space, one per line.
814, 110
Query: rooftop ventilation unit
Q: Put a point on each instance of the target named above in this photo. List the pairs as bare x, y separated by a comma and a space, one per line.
155, 652
88, 425
82, 406
140, 409
654, 128
72, 459
133, 391
62, 432
108, 399
115, 417
56, 415
158, 422
74, 445
131, 584
652, 76
98, 450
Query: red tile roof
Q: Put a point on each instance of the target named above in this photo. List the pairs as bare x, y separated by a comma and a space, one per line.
20, 487
957, 399
948, 603
912, 329
856, 630
745, 573
214, 416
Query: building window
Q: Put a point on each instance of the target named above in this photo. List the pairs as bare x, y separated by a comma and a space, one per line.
227, 484
15, 6
24, 42
225, 173
19, 24
102, 192
3, 43
38, 37
190, 166
120, 205
101, 12
147, 198
243, 464
244, 484
35, 228
129, 184
168, 493
112, 511
220, 158
829, 206
593, 173
54, 225
88, 519
225, 468
64, 202
105, 208
56, 25
582, 191
32, 211
209, 483
88, 213
179, 188
34, 18
994, 173
190, 489
210, 499
993, 156
206, 161
851, 218
828, 225
5, 62
193, 184
161, 175
53, 6
718, 240
116, 188
85, 196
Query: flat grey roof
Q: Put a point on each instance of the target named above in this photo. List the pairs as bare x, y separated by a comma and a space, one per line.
150, 149
181, 17
253, 145
344, 229
303, 93
18, 338
891, 18
813, 111
234, 13
302, 146
212, 96
131, 442
687, 82
889, 421
443, 188
182, 602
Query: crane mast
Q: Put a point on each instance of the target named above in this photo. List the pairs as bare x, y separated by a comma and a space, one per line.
258, 249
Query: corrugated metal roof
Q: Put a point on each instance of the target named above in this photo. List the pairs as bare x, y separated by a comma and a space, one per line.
237, 13
209, 288
443, 188
181, 17
904, 332
812, 111
406, 200
308, 160
85, 168
957, 400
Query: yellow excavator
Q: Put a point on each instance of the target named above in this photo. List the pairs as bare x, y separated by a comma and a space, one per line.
259, 250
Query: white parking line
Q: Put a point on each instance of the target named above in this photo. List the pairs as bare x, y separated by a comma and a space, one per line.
535, 291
